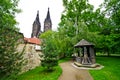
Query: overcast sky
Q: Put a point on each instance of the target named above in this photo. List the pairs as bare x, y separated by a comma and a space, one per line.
29, 11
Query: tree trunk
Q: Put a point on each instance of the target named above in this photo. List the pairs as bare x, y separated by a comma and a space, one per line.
108, 53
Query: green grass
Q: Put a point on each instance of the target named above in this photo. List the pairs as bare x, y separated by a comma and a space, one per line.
64, 60
39, 73
111, 70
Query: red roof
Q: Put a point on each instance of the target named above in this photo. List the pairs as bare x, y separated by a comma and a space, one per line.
33, 40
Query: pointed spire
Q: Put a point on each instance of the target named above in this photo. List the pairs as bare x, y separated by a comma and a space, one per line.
48, 15
37, 17
36, 26
47, 22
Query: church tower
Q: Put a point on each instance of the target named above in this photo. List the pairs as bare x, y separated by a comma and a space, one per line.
36, 30
47, 22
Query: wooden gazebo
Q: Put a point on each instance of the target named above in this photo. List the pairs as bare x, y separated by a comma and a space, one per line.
86, 55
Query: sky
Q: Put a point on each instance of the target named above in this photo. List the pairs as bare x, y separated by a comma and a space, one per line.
29, 11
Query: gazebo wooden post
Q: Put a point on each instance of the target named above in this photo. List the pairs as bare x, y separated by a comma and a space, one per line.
88, 50
92, 55
82, 51
78, 53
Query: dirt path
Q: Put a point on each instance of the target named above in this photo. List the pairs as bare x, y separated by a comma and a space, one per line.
71, 73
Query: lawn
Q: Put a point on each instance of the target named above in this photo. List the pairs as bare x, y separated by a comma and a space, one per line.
39, 73
111, 70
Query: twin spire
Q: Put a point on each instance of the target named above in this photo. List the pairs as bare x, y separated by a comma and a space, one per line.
48, 15
37, 17
36, 30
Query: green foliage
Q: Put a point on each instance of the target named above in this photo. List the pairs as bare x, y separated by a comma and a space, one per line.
49, 47
78, 21
8, 9
110, 33
110, 70
39, 73
11, 60
101, 26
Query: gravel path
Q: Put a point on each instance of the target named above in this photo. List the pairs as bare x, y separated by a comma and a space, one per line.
71, 73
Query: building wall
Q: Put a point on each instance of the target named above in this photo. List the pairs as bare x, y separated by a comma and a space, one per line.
31, 56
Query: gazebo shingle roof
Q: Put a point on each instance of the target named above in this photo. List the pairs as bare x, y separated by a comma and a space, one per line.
83, 43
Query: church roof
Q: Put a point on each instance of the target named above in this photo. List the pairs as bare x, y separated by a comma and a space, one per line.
83, 42
33, 40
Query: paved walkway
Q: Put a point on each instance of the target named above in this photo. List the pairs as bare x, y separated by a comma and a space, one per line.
71, 73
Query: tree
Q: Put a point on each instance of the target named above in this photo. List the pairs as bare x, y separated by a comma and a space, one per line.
111, 31
81, 11
50, 50
11, 60
77, 22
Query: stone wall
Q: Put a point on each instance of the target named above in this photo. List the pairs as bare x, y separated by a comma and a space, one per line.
31, 56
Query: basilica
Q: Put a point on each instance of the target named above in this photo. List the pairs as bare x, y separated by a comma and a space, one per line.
36, 29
